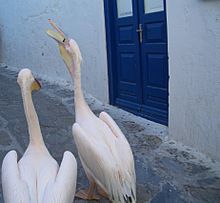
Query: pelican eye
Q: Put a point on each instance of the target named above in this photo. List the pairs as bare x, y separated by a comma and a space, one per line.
64, 39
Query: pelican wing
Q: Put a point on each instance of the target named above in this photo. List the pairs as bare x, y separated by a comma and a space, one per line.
123, 148
111, 124
101, 164
122, 143
63, 189
14, 189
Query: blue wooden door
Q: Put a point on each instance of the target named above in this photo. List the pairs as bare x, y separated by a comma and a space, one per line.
127, 73
137, 54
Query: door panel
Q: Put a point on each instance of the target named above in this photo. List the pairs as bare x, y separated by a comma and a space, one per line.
155, 32
127, 83
155, 81
128, 60
156, 71
126, 35
154, 61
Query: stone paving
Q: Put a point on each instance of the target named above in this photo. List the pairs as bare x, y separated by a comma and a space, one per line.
167, 172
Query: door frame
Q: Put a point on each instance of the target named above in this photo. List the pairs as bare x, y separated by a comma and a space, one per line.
111, 58
110, 42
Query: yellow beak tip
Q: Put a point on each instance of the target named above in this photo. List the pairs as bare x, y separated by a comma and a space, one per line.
55, 35
35, 85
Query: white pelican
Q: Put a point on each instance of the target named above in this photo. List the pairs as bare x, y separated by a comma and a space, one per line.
103, 149
37, 178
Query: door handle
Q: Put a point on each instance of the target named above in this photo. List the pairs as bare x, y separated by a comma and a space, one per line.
140, 31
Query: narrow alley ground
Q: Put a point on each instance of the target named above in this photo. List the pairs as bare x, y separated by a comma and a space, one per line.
167, 172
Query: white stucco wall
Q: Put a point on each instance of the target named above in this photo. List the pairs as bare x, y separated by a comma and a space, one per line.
194, 66
25, 44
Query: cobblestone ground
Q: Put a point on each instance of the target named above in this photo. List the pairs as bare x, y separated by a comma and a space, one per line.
167, 172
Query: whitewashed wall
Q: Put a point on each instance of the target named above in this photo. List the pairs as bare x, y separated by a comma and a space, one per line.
25, 44
194, 63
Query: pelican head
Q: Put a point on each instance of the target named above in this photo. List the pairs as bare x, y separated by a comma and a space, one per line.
26, 80
69, 50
